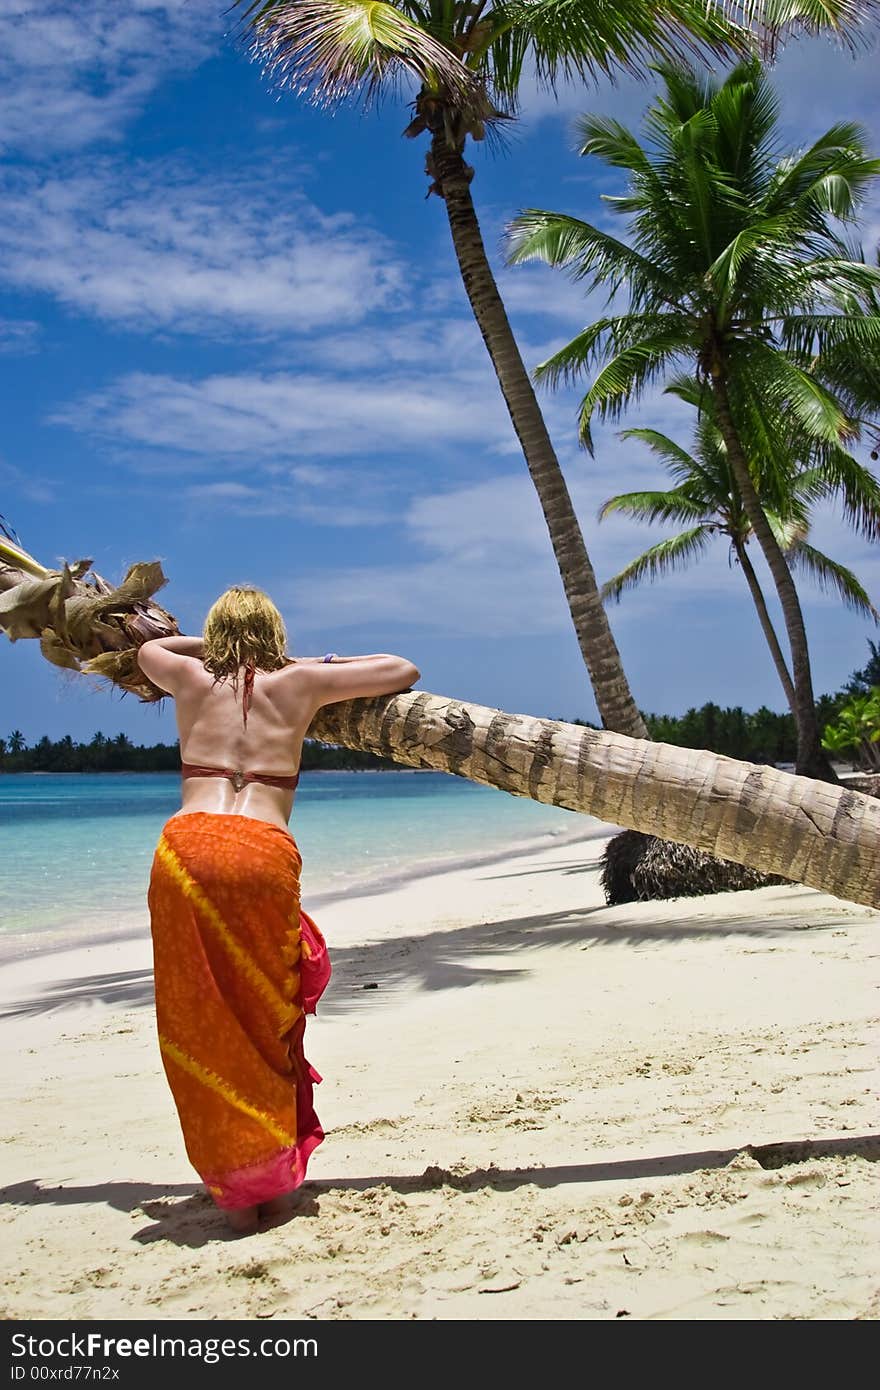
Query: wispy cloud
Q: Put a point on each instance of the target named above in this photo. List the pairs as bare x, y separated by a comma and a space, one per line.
17, 482
156, 246
19, 336
71, 75
284, 417
486, 566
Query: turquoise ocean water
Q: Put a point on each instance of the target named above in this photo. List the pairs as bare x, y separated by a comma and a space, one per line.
76, 849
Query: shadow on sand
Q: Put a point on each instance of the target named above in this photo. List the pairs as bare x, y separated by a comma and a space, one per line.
184, 1214
459, 957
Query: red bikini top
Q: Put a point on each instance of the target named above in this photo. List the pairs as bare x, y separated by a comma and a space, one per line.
238, 778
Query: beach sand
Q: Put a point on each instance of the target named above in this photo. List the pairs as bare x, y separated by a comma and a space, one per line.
536, 1107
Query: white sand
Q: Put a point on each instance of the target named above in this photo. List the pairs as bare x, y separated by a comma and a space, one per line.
544, 1111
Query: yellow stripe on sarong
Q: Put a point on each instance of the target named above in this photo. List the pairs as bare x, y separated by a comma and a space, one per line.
230, 1095
286, 1013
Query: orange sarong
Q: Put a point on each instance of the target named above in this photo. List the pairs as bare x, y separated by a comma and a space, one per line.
238, 965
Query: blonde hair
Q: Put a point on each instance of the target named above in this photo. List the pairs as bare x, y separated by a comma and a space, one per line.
243, 628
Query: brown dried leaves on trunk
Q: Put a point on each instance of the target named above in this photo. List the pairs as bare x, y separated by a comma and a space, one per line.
84, 623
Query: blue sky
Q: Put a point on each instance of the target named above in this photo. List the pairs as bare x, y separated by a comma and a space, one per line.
233, 338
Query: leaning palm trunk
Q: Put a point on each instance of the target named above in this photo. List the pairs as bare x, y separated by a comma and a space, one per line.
614, 699
806, 831
811, 760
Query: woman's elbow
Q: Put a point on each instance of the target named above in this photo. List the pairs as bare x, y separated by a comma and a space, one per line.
142, 657
411, 674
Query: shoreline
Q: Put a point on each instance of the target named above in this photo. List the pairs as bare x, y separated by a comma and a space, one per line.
134, 921
535, 1106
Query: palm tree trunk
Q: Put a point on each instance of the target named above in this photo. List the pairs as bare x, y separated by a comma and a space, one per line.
614, 698
806, 830
766, 625
811, 760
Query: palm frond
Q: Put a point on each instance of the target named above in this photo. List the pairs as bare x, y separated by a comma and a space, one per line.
816, 334
674, 505
341, 50
571, 361
570, 41
622, 380
787, 386
667, 450
663, 558
586, 253
765, 235
773, 21
608, 337
829, 574
857, 488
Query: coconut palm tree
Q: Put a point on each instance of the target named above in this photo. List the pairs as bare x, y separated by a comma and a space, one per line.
804, 830
706, 500
466, 59
735, 266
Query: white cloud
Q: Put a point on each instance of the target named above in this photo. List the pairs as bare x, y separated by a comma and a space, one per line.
71, 75
156, 247
283, 417
487, 565
484, 563
277, 498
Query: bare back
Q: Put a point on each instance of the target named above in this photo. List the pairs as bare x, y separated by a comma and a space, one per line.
213, 731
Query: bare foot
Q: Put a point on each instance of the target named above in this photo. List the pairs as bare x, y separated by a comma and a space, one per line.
278, 1206
243, 1220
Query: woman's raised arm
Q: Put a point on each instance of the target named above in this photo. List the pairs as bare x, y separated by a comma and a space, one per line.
359, 677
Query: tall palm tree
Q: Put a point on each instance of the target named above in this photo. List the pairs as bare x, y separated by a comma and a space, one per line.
804, 830
467, 59
706, 499
735, 267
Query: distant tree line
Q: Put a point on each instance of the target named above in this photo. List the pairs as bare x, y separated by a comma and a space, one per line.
765, 736
119, 754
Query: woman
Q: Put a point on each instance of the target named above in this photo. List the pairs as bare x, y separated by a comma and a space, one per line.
237, 962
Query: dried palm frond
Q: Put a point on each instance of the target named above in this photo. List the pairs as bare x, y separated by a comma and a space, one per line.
644, 868
82, 622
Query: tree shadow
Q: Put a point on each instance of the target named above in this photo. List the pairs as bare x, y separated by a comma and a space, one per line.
184, 1214
460, 957
125, 988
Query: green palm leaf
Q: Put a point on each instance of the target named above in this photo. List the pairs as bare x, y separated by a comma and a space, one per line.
571, 41
789, 387
829, 574
663, 558
846, 19
674, 505
584, 251
856, 487
623, 379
